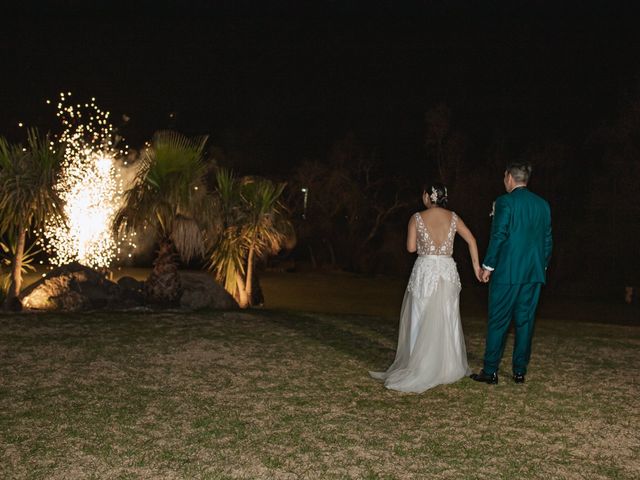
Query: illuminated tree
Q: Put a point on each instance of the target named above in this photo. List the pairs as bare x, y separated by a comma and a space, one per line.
28, 197
169, 198
253, 226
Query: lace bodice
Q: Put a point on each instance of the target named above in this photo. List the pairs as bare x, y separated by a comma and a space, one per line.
427, 246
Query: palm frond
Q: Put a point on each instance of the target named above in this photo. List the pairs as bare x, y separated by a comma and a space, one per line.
169, 194
267, 228
228, 258
254, 219
27, 182
8, 247
187, 237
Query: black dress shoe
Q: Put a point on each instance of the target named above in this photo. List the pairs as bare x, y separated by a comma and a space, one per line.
485, 377
518, 377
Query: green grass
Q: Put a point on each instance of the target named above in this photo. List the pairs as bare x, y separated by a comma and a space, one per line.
285, 394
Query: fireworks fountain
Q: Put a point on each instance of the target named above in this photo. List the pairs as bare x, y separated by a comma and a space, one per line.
91, 187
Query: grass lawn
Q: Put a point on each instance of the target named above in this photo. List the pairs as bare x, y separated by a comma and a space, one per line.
278, 393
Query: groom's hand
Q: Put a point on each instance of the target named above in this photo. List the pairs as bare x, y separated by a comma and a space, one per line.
486, 274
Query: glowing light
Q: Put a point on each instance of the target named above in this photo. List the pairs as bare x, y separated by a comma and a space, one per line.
91, 188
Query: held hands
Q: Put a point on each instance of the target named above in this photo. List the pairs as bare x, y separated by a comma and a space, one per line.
477, 270
485, 275
481, 274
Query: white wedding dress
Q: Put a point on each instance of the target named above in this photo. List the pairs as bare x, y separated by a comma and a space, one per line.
431, 349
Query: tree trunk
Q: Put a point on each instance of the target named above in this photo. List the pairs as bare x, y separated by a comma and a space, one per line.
257, 297
243, 300
12, 302
249, 283
163, 285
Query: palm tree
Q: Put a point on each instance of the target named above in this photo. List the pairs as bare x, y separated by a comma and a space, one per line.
8, 247
169, 197
228, 253
27, 197
254, 226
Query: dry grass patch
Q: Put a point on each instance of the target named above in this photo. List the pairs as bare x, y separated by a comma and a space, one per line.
287, 396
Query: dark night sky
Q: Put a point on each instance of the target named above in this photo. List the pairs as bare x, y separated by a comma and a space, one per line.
283, 84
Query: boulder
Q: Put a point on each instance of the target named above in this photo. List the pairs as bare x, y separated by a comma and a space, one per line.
74, 287
200, 290
132, 290
131, 283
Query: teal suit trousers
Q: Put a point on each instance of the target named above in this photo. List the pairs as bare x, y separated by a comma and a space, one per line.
509, 302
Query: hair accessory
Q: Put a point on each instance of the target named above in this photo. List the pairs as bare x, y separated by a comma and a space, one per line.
434, 195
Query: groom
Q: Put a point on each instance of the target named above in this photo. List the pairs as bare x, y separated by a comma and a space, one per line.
516, 262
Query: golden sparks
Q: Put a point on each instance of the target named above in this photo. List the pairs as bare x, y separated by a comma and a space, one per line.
90, 186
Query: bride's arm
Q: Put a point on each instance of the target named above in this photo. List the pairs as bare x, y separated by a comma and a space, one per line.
411, 235
468, 237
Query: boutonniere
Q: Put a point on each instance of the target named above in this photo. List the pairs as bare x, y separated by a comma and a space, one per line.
493, 209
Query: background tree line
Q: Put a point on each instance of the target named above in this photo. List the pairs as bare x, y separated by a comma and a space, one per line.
358, 202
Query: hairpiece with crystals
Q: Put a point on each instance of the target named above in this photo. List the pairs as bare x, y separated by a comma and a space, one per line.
434, 195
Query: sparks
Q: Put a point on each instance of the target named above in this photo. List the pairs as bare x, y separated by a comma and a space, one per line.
91, 188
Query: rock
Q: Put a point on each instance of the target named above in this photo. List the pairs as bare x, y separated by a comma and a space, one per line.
200, 290
74, 287
70, 301
131, 283
132, 290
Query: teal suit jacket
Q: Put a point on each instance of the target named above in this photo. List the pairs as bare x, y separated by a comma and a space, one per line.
520, 245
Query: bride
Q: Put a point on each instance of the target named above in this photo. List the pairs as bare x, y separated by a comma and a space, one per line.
431, 349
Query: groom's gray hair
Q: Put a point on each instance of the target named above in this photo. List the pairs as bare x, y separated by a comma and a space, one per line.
520, 171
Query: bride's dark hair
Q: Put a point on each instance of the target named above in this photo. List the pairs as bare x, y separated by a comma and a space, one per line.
437, 193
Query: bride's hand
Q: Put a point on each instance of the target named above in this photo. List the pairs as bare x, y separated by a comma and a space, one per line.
477, 269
